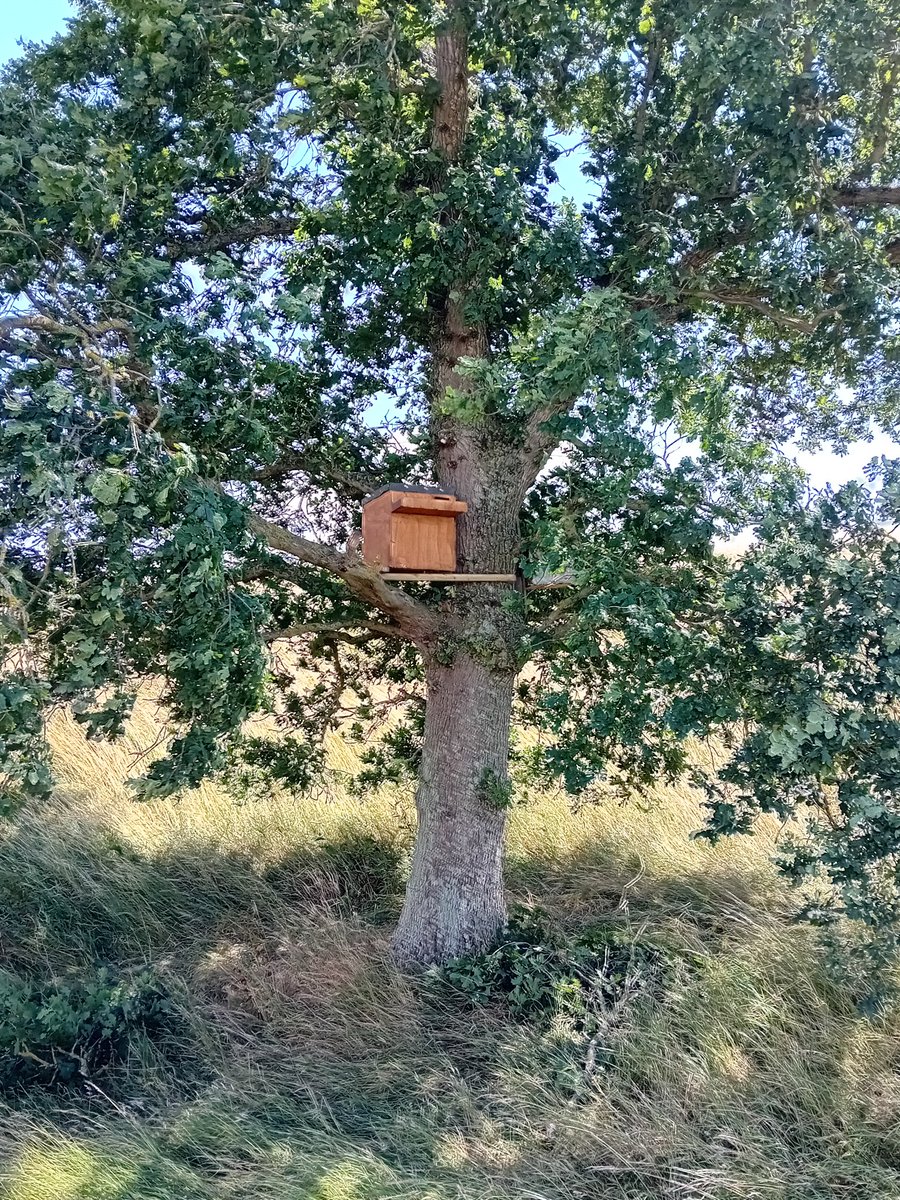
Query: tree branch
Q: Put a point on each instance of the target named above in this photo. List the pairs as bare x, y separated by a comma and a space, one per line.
640, 116
563, 608
739, 299
87, 334
35, 349
539, 443
42, 324
416, 621
207, 241
849, 197
338, 629
865, 197
700, 256
293, 461
316, 554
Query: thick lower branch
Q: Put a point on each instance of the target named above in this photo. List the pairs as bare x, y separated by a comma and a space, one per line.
415, 621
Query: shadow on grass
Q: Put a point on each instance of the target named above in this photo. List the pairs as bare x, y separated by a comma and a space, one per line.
73, 890
274, 955
600, 878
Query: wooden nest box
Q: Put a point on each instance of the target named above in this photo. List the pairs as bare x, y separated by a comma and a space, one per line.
410, 529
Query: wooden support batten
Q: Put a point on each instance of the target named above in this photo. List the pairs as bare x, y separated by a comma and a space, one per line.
445, 577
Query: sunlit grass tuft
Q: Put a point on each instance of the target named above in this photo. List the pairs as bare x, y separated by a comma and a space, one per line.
54, 1168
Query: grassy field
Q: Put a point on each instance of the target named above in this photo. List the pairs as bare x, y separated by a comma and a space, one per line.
296, 1064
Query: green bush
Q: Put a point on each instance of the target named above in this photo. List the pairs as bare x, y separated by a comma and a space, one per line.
61, 1032
536, 972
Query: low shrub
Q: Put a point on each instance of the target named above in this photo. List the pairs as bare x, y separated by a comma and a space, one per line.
536, 972
62, 1032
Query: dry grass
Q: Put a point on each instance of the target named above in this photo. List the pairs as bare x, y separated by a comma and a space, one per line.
302, 1067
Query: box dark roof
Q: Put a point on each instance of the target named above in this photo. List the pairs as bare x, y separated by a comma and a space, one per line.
406, 487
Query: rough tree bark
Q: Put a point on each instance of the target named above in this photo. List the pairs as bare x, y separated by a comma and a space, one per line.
454, 900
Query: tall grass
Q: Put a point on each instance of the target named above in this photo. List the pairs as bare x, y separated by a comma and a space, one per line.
300, 1065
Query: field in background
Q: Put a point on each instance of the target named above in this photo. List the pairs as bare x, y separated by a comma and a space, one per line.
300, 1066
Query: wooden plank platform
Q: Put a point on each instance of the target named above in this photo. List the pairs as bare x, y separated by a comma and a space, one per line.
444, 577
560, 580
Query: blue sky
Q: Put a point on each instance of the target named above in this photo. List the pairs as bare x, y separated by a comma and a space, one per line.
39, 20
31, 20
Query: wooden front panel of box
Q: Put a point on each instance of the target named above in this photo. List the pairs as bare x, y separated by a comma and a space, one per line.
423, 543
409, 531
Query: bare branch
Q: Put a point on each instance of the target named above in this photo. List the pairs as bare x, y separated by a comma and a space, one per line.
739, 299
338, 628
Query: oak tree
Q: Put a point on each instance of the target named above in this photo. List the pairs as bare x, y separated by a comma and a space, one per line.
261, 257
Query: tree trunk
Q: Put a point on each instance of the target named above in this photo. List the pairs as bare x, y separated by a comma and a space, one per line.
454, 901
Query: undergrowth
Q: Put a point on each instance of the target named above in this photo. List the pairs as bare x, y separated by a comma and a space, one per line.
660, 1031
63, 1032
536, 972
